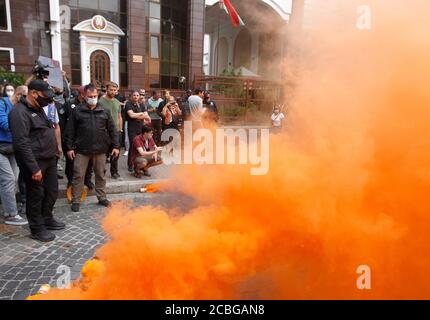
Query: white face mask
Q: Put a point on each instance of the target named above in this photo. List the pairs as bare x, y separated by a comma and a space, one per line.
92, 101
10, 93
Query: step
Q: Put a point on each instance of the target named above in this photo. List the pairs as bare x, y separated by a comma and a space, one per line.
117, 187
92, 200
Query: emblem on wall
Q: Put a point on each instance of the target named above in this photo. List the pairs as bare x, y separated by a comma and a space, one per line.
99, 23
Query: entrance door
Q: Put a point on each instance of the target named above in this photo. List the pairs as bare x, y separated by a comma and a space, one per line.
100, 67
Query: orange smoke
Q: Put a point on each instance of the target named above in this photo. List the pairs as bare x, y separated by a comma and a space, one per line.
348, 186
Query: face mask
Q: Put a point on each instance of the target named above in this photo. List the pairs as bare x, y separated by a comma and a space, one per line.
43, 102
92, 101
10, 93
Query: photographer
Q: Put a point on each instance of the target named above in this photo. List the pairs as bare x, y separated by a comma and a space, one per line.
211, 116
184, 105
171, 114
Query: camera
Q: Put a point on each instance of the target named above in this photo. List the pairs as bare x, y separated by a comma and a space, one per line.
40, 71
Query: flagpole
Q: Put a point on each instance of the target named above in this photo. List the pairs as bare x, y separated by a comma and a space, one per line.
217, 48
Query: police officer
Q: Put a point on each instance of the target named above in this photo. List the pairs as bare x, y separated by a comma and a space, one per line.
35, 149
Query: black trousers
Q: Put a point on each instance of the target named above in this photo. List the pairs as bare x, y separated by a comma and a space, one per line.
22, 189
156, 126
113, 164
113, 160
41, 196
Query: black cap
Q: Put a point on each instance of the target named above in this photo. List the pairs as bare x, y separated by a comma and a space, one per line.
42, 86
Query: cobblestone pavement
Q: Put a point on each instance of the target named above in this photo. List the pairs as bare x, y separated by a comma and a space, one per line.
26, 265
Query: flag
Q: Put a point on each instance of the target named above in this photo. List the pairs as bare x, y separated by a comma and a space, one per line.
236, 20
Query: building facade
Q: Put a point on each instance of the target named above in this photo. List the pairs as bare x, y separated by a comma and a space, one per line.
22, 33
137, 43
257, 49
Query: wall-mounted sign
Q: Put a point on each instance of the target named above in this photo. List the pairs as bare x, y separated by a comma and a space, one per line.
138, 59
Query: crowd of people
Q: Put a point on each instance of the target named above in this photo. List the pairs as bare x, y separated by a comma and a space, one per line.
39, 125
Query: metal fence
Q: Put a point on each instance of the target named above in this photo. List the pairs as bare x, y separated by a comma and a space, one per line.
242, 100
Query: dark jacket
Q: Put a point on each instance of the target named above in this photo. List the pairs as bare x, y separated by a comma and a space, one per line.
64, 112
33, 135
91, 131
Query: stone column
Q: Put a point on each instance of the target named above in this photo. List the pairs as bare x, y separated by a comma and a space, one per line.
195, 38
54, 6
115, 74
85, 67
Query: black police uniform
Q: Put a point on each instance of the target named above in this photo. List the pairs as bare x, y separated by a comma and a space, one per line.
35, 149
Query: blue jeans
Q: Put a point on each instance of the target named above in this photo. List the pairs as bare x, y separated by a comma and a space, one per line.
127, 143
8, 178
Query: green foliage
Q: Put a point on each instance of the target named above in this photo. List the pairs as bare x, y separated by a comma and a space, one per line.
232, 111
16, 79
230, 88
234, 89
230, 72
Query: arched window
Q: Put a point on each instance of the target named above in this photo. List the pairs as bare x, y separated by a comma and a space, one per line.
221, 56
242, 50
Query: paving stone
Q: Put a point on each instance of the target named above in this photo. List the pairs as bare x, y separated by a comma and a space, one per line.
20, 276
22, 295
44, 280
26, 285
5, 269
27, 265
11, 285
34, 275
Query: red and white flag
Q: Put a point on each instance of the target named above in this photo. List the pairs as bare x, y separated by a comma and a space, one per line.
236, 20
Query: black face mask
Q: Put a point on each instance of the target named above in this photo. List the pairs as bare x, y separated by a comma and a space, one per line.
43, 102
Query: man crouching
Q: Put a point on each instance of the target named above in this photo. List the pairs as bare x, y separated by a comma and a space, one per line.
145, 153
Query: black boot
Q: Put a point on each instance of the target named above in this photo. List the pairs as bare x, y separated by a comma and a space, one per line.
55, 225
43, 236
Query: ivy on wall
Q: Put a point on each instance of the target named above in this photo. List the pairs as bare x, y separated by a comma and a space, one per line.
16, 79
